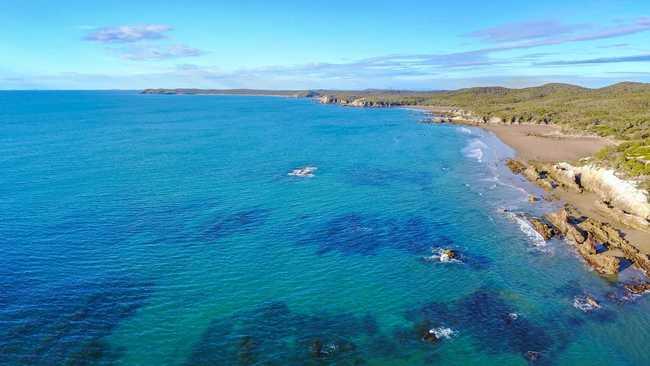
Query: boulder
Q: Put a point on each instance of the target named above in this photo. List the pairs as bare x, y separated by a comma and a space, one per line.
448, 254
516, 166
638, 288
430, 337
532, 356
588, 236
544, 229
604, 264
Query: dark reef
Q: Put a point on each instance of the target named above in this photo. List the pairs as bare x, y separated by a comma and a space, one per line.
67, 326
274, 335
240, 222
356, 233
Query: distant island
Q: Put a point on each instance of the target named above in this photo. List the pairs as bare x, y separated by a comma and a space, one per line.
587, 147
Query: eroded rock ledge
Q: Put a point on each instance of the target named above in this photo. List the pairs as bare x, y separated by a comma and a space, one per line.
602, 246
353, 102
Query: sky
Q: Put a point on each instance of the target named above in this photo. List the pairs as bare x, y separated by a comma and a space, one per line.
424, 45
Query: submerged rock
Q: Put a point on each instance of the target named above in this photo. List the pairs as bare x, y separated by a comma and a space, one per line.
447, 255
532, 356
444, 255
586, 303
435, 335
638, 288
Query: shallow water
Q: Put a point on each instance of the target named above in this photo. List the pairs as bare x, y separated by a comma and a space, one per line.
149, 230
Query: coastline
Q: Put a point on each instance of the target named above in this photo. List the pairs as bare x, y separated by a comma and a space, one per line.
608, 226
532, 141
541, 148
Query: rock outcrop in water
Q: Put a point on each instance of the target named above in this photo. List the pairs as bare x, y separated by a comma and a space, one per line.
638, 288
544, 229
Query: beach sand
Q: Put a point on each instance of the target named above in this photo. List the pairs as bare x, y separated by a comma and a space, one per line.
546, 143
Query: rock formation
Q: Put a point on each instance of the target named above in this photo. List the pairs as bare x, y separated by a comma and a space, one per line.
601, 245
544, 229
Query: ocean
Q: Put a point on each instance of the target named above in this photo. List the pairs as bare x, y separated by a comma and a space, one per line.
167, 230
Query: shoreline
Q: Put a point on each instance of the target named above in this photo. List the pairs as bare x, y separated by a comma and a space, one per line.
592, 218
541, 146
532, 141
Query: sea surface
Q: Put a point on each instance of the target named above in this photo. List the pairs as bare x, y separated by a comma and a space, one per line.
165, 230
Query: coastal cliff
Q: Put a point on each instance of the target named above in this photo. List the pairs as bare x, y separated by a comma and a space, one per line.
353, 102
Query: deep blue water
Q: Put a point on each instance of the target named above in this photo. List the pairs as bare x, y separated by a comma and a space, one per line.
164, 230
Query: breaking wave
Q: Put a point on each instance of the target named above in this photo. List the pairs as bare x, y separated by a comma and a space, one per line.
475, 150
442, 332
526, 228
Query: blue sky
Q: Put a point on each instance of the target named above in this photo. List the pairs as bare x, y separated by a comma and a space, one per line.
321, 44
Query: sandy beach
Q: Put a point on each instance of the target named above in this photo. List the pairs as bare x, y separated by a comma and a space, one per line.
546, 143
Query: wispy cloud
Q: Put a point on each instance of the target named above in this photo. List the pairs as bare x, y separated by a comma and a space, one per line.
157, 52
137, 42
532, 34
602, 60
128, 33
426, 70
523, 31
617, 45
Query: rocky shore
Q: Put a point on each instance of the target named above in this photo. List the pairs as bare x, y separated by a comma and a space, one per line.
603, 245
353, 102
606, 218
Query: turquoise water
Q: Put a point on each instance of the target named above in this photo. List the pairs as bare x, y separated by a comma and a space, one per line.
164, 230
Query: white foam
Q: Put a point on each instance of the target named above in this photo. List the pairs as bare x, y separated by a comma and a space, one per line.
465, 130
442, 332
526, 228
440, 255
475, 150
585, 303
307, 172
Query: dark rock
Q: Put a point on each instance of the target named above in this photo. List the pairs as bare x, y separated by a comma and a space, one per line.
591, 238
543, 228
516, 166
638, 288
532, 356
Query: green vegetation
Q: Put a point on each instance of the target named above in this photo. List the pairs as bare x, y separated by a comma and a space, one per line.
621, 111
632, 157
